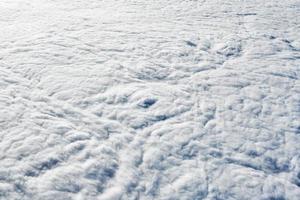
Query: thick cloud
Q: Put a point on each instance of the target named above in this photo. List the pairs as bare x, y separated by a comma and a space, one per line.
149, 100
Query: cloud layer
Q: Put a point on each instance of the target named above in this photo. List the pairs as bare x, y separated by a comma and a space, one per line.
149, 100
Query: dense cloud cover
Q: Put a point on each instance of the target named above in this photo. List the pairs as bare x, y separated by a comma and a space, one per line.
137, 99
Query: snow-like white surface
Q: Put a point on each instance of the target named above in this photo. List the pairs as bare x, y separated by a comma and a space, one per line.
150, 100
